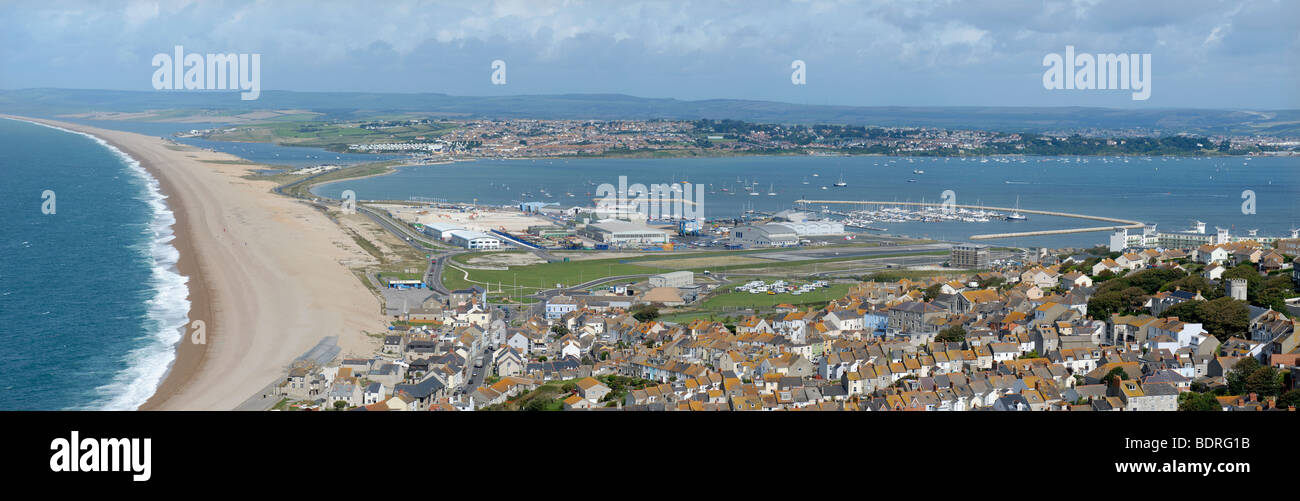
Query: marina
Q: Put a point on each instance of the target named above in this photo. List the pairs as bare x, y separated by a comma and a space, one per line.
1149, 193
975, 213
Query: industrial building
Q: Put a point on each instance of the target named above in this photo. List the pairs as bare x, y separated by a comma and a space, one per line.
817, 228
674, 279
620, 233
969, 256
441, 231
764, 235
808, 225
550, 231
470, 239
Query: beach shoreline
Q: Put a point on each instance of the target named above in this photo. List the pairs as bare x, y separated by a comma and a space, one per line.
264, 275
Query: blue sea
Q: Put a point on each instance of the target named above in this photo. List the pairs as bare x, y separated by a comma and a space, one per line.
1168, 191
91, 304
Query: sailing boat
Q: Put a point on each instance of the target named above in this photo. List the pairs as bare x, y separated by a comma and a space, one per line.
770, 191
841, 183
1016, 215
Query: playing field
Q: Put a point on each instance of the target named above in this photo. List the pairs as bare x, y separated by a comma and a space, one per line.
528, 279
737, 300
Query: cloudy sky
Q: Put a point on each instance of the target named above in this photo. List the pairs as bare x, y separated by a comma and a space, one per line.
1205, 53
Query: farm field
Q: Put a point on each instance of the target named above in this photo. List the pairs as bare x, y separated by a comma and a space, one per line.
333, 137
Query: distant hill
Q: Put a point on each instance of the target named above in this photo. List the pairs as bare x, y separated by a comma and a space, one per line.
49, 102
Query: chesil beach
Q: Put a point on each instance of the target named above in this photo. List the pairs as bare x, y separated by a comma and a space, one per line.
261, 273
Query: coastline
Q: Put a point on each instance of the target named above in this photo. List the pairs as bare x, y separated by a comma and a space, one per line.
264, 275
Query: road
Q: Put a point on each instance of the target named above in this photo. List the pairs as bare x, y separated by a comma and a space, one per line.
475, 381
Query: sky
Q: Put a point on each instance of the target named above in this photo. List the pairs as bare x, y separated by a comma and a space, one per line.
1204, 53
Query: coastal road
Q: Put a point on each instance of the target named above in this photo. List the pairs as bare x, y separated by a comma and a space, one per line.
263, 401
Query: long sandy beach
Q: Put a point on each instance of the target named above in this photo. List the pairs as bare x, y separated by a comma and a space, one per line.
264, 275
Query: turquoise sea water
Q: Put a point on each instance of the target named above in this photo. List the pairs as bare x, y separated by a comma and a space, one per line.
1171, 192
90, 302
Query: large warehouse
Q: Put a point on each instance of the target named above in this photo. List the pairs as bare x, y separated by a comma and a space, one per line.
815, 228
673, 279
470, 239
764, 235
624, 233
441, 231
807, 225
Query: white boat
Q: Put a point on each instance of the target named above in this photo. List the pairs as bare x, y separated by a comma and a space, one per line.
1016, 215
841, 183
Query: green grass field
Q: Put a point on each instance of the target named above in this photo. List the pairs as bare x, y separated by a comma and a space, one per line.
334, 137
528, 279
531, 277
739, 300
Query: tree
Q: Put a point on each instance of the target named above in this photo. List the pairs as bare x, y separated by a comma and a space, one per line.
1289, 398
1187, 311
1114, 377
559, 329
1273, 292
1225, 317
1195, 402
1151, 280
1196, 283
1237, 375
954, 334
1263, 381
932, 291
645, 313
1133, 298
340, 405
1102, 305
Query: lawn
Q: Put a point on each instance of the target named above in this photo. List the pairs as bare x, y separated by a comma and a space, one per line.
527, 279
544, 276
736, 300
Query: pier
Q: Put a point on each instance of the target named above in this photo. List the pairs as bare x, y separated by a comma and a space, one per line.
1120, 223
